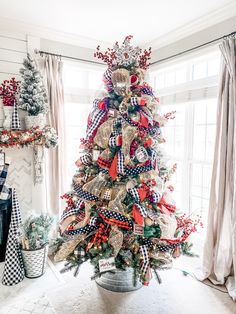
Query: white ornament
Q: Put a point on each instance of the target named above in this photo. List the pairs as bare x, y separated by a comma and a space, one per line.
141, 154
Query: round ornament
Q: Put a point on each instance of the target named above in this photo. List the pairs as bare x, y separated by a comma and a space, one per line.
134, 80
141, 154
148, 221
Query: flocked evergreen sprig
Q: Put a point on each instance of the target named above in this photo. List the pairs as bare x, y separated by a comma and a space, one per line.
33, 96
35, 231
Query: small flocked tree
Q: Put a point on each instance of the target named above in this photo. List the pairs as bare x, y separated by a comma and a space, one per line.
120, 206
33, 97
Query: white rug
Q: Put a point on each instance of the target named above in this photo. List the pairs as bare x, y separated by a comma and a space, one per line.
177, 294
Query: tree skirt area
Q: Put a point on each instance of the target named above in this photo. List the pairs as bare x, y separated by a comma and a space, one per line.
64, 294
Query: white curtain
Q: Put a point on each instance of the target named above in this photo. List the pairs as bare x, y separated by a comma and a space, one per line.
219, 257
55, 158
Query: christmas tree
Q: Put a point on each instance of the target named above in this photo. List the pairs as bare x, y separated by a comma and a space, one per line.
33, 95
120, 207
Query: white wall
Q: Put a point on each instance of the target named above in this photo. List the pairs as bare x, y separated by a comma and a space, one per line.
195, 39
13, 48
15, 43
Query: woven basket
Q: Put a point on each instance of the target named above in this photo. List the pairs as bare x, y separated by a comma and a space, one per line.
120, 281
35, 262
35, 121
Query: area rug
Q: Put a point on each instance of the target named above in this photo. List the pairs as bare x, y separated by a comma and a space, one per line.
177, 294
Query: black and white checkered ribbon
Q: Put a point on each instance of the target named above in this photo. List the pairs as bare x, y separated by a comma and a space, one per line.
145, 262
162, 248
107, 80
13, 268
114, 217
73, 211
95, 123
15, 121
134, 193
84, 194
112, 141
5, 192
142, 210
86, 159
107, 74
153, 156
136, 170
91, 226
154, 130
120, 162
155, 197
134, 101
147, 90
93, 221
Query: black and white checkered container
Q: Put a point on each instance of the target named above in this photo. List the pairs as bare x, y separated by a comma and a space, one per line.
35, 262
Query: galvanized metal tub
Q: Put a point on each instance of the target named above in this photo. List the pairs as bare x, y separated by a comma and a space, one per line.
119, 281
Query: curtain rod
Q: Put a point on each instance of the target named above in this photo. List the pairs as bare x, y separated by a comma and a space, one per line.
194, 48
66, 57
152, 63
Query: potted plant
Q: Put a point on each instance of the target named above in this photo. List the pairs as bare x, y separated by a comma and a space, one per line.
9, 90
34, 244
33, 96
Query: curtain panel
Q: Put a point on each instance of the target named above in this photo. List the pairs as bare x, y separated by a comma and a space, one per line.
55, 161
219, 257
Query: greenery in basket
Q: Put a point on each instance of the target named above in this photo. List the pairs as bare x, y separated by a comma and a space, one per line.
33, 96
35, 232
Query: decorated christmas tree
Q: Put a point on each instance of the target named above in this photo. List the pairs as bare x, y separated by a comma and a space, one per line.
33, 97
120, 208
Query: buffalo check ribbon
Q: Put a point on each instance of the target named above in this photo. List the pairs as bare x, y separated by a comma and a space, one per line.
145, 262
91, 226
96, 118
115, 218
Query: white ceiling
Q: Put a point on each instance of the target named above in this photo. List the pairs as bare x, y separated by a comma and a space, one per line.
108, 21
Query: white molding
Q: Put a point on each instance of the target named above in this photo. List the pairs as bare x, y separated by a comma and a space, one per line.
49, 33
217, 16
208, 20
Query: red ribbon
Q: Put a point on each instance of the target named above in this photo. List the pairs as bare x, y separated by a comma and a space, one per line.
113, 169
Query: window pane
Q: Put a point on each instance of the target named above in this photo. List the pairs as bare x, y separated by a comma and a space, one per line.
169, 79
199, 70
213, 67
95, 80
211, 111
180, 75
160, 81
210, 142
199, 142
74, 77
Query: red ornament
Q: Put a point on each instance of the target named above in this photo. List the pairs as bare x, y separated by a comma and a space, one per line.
102, 105
142, 102
148, 142
134, 80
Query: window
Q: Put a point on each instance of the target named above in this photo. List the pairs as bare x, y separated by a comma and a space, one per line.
82, 83
190, 88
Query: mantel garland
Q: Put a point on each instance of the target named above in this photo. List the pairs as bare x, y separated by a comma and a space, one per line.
29, 138
37, 139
